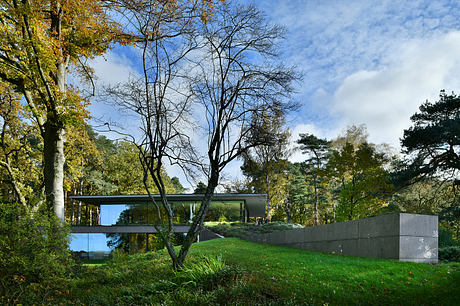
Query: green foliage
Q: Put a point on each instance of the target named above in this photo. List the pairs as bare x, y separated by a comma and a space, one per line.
34, 254
177, 185
362, 178
200, 188
445, 238
449, 216
206, 273
434, 137
298, 194
432, 145
318, 151
450, 253
240, 230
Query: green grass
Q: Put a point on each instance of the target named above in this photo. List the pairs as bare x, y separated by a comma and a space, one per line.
232, 271
314, 277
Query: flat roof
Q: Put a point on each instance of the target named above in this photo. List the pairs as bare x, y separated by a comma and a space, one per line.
255, 202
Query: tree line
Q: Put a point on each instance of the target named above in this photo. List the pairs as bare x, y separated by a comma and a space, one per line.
348, 177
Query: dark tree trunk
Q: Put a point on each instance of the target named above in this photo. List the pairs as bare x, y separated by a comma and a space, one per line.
197, 224
315, 205
267, 184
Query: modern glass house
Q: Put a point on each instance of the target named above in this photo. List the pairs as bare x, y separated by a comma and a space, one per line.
126, 221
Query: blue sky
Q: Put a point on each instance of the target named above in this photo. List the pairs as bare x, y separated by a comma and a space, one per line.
364, 62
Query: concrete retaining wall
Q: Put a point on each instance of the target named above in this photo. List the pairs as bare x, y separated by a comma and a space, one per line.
405, 237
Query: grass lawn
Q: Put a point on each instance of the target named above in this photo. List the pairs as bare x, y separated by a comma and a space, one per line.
263, 274
315, 277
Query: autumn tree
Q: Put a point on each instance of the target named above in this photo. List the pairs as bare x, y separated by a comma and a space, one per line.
363, 180
19, 150
265, 165
39, 42
353, 134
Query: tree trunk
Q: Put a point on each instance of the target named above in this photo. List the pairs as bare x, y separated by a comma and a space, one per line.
197, 224
79, 213
53, 170
72, 215
267, 184
86, 213
315, 205
288, 212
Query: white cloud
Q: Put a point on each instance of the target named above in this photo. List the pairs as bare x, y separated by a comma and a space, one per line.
113, 68
385, 99
110, 69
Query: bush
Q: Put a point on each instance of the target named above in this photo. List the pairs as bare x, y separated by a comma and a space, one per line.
207, 273
241, 230
34, 254
451, 253
276, 227
445, 238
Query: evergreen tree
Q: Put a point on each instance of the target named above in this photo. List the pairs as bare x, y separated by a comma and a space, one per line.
318, 151
433, 140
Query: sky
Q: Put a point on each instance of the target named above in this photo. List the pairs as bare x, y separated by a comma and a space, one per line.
363, 62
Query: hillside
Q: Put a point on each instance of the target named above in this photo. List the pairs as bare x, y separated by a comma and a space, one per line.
242, 272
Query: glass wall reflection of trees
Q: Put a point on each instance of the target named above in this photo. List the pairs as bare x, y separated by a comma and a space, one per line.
143, 214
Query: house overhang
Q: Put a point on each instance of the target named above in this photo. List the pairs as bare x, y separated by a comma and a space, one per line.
254, 202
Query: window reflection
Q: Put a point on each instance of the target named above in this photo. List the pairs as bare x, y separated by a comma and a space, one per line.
100, 246
90, 246
144, 213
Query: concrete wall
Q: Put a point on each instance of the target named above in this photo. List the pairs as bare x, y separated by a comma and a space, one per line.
405, 237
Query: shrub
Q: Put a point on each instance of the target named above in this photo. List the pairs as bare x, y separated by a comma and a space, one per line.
451, 253
207, 273
445, 238
34, 254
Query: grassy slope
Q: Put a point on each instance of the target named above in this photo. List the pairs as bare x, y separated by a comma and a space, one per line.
316, 277
273, 274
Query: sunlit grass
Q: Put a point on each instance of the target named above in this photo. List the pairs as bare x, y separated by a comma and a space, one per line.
325, 278
233, 271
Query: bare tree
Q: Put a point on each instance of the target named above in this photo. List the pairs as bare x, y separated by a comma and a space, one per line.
223, 69
165, 35
238, 78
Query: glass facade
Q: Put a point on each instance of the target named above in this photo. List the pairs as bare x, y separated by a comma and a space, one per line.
141, 214
90, 246
101, 245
